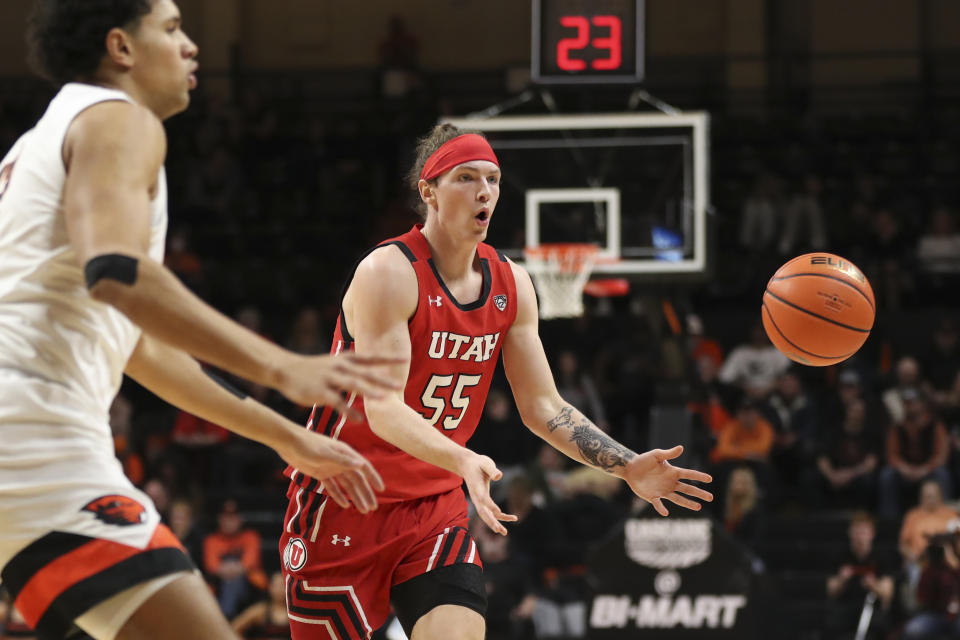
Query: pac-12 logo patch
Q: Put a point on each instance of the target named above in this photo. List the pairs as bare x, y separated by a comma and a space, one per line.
500, 301
119, 510
295, 555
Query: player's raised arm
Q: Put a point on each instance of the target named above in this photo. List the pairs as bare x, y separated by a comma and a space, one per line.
547, 414
113, 153
177, 378
378, 305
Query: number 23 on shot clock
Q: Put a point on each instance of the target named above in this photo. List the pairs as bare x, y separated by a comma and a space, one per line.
587, 41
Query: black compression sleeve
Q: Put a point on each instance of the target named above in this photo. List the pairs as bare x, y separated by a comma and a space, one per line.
113, 266
226, 385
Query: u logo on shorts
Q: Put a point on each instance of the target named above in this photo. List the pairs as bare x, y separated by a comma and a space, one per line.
295, 555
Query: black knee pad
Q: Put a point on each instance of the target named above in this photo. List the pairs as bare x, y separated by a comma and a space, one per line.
458, 584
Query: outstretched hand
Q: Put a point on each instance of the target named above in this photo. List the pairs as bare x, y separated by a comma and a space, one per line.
477, 472
654, 479
323, 379
347, 476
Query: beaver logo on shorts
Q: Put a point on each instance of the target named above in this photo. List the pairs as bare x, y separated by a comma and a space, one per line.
119, 510
295, 555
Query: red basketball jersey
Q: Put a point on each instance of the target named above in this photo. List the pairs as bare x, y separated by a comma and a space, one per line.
455, 348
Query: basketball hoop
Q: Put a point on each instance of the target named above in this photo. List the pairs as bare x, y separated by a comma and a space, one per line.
560, 272
607, 287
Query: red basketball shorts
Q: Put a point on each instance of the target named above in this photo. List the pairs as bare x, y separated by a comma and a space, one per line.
340, 565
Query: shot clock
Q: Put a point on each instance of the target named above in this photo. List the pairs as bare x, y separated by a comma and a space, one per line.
587, 41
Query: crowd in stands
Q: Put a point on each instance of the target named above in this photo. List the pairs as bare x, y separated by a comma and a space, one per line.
272, 202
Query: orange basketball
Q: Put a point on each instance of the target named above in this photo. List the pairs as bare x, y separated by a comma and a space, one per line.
818, 309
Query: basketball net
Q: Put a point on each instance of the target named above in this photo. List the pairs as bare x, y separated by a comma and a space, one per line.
560, 272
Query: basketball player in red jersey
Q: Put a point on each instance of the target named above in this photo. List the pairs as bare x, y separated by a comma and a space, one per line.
446, 303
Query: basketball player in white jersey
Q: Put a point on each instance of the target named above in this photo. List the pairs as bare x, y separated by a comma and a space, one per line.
84, 298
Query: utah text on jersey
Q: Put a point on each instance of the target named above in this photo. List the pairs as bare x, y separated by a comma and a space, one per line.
449, 345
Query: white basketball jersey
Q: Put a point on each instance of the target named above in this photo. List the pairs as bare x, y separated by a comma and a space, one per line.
62, 353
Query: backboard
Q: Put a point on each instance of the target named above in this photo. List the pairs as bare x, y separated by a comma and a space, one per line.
635, 184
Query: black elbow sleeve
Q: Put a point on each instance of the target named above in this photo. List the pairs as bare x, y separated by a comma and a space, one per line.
226, 385
111, 266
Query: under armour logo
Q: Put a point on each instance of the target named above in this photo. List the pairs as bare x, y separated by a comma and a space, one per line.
435, 301
337, 540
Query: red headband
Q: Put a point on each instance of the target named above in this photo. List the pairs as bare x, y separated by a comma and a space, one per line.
465, 148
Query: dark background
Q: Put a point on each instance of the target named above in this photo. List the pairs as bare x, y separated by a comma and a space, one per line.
290, 163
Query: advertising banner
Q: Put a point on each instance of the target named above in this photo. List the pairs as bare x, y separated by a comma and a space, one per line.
684, 577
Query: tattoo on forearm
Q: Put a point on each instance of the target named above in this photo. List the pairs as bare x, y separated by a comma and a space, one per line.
596, 447
562, 419
599, 449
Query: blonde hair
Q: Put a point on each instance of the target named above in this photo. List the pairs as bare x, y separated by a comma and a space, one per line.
426, 147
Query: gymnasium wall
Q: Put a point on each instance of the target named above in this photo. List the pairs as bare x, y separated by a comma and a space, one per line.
854, 41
